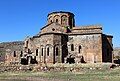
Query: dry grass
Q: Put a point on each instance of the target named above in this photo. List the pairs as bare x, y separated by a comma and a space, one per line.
83, 75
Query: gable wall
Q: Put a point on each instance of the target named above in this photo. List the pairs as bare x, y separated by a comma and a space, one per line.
91, 47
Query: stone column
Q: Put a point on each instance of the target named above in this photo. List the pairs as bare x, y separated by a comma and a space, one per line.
60, 57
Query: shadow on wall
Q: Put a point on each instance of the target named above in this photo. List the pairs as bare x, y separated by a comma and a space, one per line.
82, 60
71, 60
25, 61
117, 61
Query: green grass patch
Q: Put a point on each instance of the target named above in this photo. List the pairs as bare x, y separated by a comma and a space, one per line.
87, 72
91, 75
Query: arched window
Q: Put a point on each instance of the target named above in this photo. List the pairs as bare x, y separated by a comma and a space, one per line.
29, 51
21, 53
64, 20
79, 49
14, 54
50, 21
48, 51
42, 51
56, 20
26, 44
72, 47
56, 51
36, 52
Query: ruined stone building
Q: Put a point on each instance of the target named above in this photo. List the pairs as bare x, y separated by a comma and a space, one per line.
60, 41
10, 52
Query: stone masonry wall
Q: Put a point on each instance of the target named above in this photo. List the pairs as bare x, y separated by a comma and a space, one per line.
9, 49
91, 47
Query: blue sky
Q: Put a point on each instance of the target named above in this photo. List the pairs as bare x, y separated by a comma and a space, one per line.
22, 18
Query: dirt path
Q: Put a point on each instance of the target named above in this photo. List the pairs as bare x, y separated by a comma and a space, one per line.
32, 79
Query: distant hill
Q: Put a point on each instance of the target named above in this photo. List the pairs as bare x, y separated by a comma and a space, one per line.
116, 51
10, 45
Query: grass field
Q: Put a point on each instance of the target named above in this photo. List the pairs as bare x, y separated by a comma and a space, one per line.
85, 75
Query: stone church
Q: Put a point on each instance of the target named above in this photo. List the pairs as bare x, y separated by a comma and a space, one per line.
61, 41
